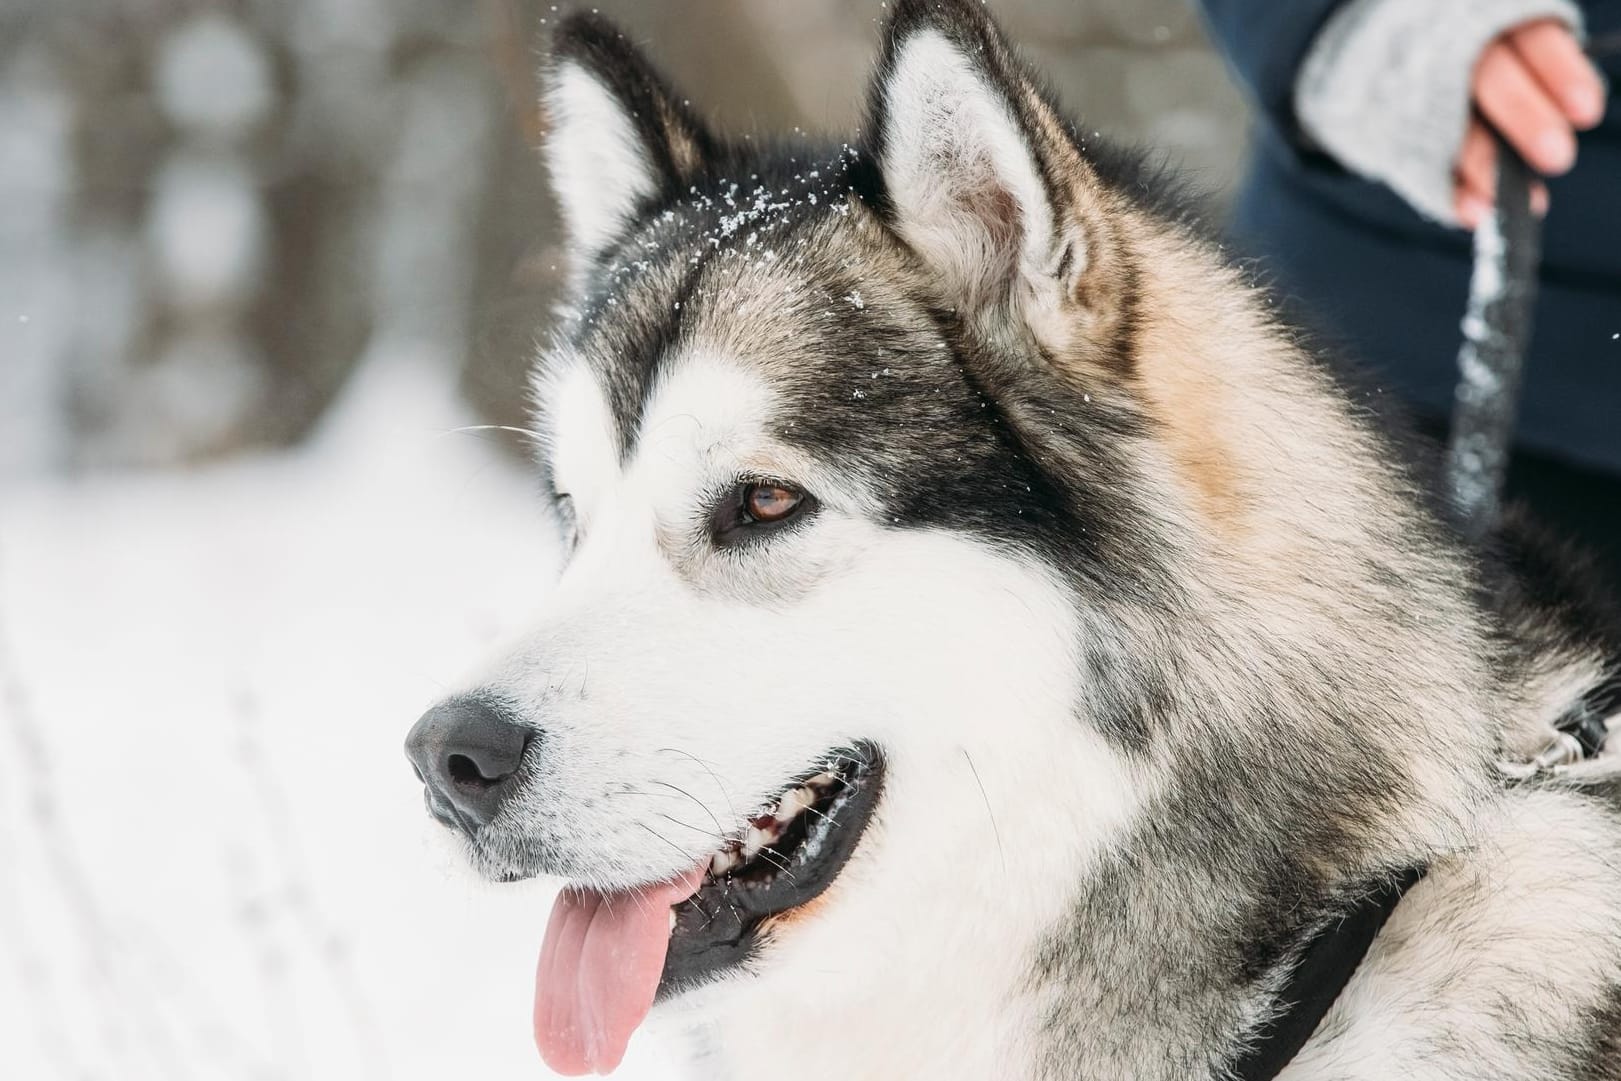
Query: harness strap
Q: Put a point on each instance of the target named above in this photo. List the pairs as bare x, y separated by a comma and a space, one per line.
1326, 965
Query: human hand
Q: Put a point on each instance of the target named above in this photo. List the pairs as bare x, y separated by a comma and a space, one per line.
1534, 85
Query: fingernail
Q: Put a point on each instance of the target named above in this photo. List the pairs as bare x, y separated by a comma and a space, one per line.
1472, 210
1557, 149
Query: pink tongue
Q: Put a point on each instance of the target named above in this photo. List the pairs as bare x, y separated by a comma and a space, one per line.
599, 969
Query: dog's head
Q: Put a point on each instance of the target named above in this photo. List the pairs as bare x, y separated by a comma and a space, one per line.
873, 461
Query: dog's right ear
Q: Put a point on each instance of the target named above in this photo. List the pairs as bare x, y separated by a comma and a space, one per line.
619, 136
986, 182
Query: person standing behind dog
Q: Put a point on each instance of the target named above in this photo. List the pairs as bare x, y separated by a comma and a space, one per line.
1373, 158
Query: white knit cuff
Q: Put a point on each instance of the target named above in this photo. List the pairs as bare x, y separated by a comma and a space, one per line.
1385, 88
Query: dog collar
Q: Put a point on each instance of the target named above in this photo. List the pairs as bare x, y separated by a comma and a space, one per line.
1326, 965
1332, 956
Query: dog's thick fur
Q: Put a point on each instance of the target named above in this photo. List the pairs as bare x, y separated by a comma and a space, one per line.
1168, 661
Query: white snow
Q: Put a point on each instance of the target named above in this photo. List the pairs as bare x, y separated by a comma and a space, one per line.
216, 860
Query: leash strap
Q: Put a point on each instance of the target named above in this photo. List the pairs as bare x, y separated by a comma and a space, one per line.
1496, 334
1326, 965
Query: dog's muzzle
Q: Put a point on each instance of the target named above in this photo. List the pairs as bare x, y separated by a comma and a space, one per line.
467, 753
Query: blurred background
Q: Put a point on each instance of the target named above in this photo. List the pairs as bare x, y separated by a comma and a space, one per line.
266, 269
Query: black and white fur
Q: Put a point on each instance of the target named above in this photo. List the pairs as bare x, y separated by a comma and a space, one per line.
1167, 661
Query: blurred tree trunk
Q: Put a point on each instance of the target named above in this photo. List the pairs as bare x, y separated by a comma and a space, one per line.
194, 199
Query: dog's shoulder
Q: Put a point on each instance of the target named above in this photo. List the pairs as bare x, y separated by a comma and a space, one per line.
1504, 961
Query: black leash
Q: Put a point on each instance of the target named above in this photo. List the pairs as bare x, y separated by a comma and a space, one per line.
1496, 333
1326, 965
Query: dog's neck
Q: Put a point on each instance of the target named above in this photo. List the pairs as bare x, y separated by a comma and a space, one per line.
952, 1018
1161, 964
1105, 997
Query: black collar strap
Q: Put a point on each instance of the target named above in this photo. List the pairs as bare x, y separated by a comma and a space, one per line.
1326, 966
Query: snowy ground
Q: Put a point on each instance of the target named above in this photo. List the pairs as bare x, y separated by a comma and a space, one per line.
215, 860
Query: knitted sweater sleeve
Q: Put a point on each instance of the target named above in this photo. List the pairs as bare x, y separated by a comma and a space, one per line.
1385, 87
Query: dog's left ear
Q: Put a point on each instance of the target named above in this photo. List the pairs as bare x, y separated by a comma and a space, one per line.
619, 139
985, 182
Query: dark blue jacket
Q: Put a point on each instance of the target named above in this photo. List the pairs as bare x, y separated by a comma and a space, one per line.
1391, 286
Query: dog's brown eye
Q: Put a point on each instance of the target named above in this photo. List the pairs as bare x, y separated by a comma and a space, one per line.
770, 502
755, 508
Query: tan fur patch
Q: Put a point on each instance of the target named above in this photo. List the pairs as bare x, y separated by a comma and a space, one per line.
685, 153
1184, 390
805, 913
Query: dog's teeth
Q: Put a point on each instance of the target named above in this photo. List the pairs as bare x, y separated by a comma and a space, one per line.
757, 838
794, 801
672, 920
823, 781
723, 861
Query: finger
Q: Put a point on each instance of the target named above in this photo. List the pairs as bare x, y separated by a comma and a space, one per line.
1515, 104
1477, 161
1472, 208
1550, 51
1475, 175
1475, 179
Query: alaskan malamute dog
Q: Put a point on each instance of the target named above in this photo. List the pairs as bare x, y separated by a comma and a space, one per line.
992, 647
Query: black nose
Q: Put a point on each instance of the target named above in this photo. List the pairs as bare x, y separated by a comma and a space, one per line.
467, 752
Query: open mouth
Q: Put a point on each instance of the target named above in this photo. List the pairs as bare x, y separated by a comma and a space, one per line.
609, 956
786, 858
